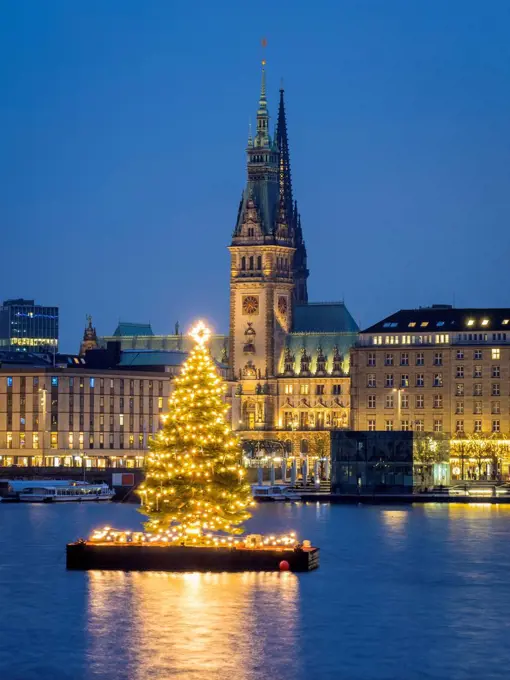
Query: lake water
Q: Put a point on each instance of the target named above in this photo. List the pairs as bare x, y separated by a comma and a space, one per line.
402, 594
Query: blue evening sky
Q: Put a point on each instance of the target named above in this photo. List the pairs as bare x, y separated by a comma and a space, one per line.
123, 126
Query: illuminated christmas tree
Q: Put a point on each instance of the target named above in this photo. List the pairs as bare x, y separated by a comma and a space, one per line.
195, 484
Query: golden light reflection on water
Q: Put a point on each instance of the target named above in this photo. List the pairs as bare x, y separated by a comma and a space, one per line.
194, 625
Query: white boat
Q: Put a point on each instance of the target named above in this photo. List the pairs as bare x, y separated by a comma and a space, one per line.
266, 493
72, 492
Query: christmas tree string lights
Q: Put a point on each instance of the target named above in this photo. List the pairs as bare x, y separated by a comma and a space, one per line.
195, 483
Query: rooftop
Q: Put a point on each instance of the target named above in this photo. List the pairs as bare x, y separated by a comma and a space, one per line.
128, 328
444, 318
323, 317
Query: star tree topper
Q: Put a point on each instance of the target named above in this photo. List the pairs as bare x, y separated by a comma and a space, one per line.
200, 333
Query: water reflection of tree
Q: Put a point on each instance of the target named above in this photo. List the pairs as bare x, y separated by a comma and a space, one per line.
196, 626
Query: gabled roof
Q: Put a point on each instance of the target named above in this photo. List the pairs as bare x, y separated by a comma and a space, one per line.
443, 318
127, 328
151, 358
323, 317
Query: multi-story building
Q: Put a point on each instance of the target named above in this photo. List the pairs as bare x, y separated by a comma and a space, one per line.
289, 357
97, 413
434, 369
27, 327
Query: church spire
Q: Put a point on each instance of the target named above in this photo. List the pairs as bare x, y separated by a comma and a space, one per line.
282, 142
262, 138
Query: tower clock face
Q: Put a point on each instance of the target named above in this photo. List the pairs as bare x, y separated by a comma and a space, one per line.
250, 304
282, 305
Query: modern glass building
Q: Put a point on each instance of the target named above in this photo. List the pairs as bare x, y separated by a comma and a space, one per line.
27, 327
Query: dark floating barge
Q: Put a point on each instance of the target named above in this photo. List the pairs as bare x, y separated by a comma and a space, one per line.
86, 555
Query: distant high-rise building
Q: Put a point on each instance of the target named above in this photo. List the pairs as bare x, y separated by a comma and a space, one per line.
27, 327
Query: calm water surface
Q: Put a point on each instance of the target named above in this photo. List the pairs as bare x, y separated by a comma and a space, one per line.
402, 594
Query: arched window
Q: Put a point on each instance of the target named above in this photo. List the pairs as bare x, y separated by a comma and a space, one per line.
259, 262
243, 263
251, 262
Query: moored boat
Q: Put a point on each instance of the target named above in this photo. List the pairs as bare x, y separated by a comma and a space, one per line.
71, 492
269, 493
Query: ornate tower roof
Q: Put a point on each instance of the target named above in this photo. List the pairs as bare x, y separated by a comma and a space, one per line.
89, 337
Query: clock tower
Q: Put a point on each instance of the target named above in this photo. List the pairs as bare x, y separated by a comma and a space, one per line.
262, 286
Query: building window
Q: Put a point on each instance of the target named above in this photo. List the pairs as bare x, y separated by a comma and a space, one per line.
496, 407
389, 380
459, 426
371, 425
388, 360
131, 441
460, 354
438, 359
371, 381
438, 380
459, 372
477, 390
54, 440
404, 401
496, 426
388, 425
420, 380
70, 439
9, 440
404, 380
101, 441
459, 408
121, 419
371, 401
459, 389
370, 359
495, 390
419, 401
389, 401
420, 358
319, 389
477, 426
337, 389
438, 401
54, 381
35, 440
289, 389
495, 353
110, 440
303, 389
160, 404
404, 359
419, 425
92, 382
477, 372
9, 381
477, 354
477, 407
496, 373
438, 425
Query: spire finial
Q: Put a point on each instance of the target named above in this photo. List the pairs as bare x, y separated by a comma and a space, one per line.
263, 84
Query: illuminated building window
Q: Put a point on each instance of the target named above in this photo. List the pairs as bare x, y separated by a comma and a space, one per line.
22, 440
496, 426
92, 383
35, 440
371, 403
495, 353
80, 438
505, 322
438, 380
477, 427
404, 380
54, 381
371, 425
419, 425
70, 440
54, 440
459, 389
424, 324
303, 389
121, 419
9, 440
160, 403
388, 425
485, 322
101, 441
412, 324
438, 425
9, 381
131, 441
289, 389
470, 322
